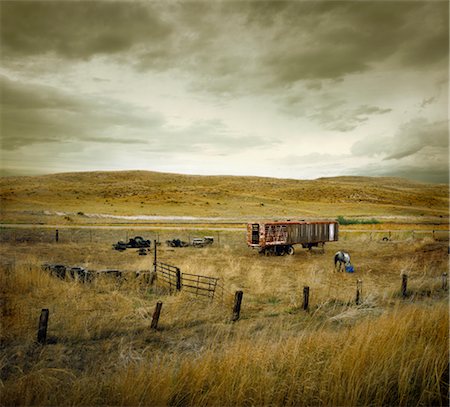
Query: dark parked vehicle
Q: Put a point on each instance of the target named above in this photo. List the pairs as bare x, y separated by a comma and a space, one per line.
176, 243
134, 243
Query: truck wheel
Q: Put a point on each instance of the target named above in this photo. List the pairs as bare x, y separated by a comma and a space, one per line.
290, 250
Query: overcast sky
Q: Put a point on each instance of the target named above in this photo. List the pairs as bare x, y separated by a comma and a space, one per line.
295, 89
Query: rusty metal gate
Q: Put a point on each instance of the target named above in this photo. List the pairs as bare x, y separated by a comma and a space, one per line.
175, 280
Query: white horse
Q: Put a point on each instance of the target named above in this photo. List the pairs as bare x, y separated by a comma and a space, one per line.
343, 258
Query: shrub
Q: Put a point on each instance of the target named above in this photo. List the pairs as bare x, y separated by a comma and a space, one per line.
344, 221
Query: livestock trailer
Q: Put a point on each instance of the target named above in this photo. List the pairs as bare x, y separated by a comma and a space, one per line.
280, 237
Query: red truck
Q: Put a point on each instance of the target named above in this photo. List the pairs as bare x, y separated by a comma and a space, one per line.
279, 237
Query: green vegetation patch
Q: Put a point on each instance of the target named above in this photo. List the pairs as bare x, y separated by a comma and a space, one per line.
344, 221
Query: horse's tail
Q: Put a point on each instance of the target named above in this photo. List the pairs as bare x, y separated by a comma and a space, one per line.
336, 258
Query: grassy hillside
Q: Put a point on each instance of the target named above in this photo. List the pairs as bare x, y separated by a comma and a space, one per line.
152, 193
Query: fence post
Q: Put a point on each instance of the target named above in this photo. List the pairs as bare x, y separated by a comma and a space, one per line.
178, 279
306, 298
444, 281
404, 285
154, 257
358, 291
156, 313
237, 305
43, 323
57, 236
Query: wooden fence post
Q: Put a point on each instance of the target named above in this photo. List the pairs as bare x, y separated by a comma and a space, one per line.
404, 285
57, 236
178, 279
306, 298
154, 256
156, 313
237, 305
444, 281
43, 323
358, 292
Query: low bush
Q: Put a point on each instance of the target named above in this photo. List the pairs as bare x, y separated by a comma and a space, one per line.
344, 221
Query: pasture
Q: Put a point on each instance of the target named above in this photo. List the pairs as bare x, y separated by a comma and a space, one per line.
100, 349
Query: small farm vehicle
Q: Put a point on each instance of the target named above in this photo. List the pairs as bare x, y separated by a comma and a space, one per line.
176, 243
134, 243
202, 241
278, 238
196, 242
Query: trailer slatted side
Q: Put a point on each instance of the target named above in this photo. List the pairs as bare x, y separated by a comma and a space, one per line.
290, 233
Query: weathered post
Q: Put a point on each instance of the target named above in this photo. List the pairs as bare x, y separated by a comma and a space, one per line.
57, 236
413, 235
404, 285
237, 305
154, 257
358, 291
306, 298
178, 285
444, 281
156, 314
43, 323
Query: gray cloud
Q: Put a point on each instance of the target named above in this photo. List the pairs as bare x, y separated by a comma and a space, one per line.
33, 114
234, 46
425, 172
411, 138
334, 117
210, 136
296, 55
77, 30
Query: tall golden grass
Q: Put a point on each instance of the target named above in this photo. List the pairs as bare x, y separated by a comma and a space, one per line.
101, 351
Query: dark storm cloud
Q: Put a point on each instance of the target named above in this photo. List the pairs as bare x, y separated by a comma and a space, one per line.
333, 39
411, 138
234, 46
77, 30
288, 42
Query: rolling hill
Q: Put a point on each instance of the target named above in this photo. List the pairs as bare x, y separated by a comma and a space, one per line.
163, 194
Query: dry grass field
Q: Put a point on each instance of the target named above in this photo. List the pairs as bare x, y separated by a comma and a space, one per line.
100, 349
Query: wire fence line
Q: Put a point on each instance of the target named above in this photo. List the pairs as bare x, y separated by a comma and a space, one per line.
78, 234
